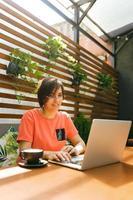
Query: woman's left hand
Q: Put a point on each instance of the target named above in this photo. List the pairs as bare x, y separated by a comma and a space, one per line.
74, 152
67, 148
71, 150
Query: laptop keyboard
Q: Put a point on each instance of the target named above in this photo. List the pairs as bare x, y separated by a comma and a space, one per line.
75, 160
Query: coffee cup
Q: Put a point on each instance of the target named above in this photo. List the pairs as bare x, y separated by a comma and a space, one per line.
31, 156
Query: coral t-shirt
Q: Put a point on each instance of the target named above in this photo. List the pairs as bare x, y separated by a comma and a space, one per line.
47, 134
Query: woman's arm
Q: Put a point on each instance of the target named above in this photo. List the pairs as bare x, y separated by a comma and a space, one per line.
24, 145
49, 155
57, 155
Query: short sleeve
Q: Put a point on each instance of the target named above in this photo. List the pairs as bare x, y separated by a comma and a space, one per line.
26, 128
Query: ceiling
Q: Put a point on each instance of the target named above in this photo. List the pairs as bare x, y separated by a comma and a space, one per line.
115, 17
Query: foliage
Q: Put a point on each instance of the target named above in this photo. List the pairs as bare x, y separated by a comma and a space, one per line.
11, 143
55, 47
105, 81
22, 65
9, 147
78, 73
3, 151
83, 126
131, 133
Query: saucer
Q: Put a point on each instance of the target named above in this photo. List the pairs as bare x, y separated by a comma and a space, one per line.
42, 163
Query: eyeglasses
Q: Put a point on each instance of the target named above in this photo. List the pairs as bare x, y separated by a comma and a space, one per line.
60, 96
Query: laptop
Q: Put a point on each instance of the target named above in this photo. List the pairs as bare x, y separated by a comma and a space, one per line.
105, 145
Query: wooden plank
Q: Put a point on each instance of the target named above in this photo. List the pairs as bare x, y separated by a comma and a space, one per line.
10, 116
103, 116
2, 66
89, 100
13, 96
16, 106
20, 35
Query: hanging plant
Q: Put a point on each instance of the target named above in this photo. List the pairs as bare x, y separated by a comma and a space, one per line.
21, 65
77, 72
105, 81
54, 48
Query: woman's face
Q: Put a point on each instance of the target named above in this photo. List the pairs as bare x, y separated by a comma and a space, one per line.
54, 101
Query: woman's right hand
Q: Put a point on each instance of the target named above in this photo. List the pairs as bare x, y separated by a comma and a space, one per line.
57, 155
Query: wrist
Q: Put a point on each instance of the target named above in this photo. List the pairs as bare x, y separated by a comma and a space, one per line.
79, 149
46, 155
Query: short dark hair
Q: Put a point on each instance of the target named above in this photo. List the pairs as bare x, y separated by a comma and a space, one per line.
48, 86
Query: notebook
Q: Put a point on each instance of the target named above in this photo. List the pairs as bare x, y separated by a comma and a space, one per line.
105, 145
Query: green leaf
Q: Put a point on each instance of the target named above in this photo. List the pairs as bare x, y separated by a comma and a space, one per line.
25, 63
38, 74
3, 151
83, 126
55, 47
105, 81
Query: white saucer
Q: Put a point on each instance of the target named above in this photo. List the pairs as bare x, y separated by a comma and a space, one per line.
41, 164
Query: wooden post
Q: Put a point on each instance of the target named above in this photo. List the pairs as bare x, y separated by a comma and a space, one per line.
76, 105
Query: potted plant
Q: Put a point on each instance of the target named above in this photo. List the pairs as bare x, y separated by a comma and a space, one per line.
54, 48
77, 72
21, 65
105, 81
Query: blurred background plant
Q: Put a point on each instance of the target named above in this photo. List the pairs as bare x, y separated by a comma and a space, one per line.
55, 48
83, 126
9, 147
77, 72
105, 81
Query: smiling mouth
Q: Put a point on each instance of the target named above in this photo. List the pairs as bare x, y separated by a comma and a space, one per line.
55, 105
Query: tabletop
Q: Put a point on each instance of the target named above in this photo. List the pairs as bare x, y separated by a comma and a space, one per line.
55, 182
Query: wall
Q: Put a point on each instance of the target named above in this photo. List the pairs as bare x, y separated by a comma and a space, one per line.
21, 29
124, 65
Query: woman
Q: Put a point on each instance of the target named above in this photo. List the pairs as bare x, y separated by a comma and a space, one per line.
48, 128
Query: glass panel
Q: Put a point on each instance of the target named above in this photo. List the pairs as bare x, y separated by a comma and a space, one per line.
40, 10
112, 14
65, 28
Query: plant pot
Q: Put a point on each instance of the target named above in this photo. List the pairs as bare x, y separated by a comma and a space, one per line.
12, 69
76, 80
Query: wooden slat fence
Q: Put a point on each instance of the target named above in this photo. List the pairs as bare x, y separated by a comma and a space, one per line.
20, 29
